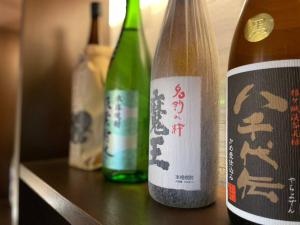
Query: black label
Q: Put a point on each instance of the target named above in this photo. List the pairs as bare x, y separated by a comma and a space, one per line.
264, 142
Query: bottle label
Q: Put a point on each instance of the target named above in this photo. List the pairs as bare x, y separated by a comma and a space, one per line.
175, 134
121, 130
263, 142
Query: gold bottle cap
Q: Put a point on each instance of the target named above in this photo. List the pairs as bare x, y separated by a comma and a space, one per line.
259, 27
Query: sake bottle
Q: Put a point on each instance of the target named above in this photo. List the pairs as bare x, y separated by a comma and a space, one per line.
86, 142
127, 103
263, 142
184, 109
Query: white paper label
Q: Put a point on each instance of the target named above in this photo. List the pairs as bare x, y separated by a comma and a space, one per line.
175, 133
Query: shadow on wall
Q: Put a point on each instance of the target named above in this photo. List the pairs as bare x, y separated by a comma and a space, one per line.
9, 73
46, 101
53, 37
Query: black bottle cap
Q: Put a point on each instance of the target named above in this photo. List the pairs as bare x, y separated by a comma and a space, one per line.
96, 9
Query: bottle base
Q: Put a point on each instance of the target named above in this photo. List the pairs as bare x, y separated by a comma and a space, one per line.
236, 220
130, 177
181, 198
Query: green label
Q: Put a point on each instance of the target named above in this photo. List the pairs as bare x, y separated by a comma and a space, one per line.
121, 130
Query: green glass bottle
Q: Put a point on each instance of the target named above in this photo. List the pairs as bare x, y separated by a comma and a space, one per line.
127, 103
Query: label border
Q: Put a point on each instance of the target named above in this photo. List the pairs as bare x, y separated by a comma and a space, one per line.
248, 68
195, 78
257, 219
264, 65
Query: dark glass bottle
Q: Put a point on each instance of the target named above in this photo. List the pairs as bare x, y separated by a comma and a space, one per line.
263, 107
127, 103
96, 13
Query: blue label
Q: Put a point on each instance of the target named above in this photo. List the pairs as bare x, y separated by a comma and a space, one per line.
121, 130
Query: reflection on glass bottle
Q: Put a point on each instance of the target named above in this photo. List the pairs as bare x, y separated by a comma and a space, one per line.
127, 103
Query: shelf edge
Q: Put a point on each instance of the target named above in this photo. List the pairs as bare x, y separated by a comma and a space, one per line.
68, 210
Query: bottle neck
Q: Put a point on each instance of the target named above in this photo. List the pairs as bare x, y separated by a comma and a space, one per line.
189, 16
94, 31
133, 15
183, 12
184, 4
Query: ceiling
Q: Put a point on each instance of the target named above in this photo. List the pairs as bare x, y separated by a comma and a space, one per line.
10, 14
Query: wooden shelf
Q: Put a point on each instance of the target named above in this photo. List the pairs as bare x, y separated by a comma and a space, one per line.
85, 198
5, 213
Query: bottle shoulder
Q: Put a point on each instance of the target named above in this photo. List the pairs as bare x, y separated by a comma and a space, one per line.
130, 64
130, 46
266, 33
178, 55
186, 46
